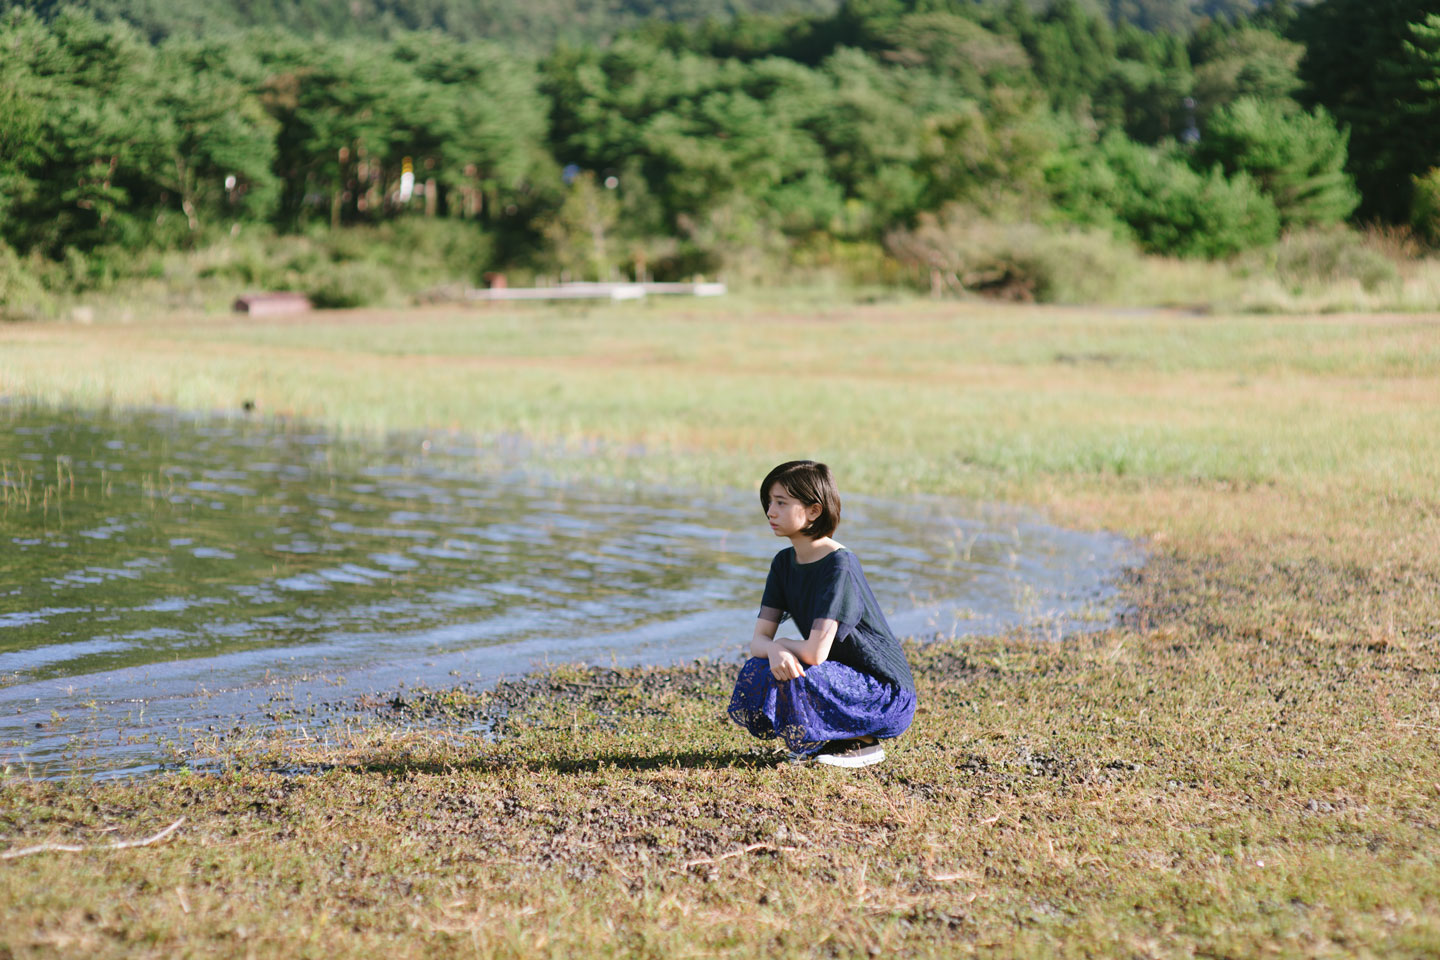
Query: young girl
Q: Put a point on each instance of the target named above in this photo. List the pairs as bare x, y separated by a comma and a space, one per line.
834, 693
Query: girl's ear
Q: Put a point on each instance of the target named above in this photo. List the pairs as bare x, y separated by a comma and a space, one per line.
813, 511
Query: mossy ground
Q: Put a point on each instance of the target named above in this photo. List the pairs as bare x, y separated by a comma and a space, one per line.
1245, 766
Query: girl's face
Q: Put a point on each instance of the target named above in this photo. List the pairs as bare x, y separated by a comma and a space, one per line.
787, 515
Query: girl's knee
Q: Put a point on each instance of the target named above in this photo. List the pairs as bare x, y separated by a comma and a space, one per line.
825, 668
754, 667
753, 673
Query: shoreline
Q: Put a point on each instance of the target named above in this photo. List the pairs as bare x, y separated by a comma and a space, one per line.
987, 568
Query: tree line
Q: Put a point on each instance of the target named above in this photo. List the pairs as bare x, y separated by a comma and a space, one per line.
675, 148
535, 25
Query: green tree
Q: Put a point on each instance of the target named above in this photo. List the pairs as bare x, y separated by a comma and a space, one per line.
1145, 89
1231, 63
1073, 52
703, 131
97, 131
1425, 209
1155, 196
532, 25
580, 232
20, 115
1296, 157
218, 142
1372, 64
481, 122
871, 150
1419, 68
970, 58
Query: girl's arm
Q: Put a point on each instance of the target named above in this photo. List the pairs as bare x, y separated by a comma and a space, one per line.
761, 642
815, 650
784, 665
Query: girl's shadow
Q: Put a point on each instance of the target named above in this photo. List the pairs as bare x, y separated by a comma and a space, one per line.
685, 760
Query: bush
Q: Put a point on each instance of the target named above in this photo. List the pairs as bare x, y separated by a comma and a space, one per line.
1166, 206
736, 240
353, 266
961, 251
22, 295
343, 285
261, 260
822, 256
1425, 206
426, 251
1312, 258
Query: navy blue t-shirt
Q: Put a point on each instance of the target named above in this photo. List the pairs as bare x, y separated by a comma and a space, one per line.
834, 588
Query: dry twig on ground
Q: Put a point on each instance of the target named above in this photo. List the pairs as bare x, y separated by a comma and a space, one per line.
80, 848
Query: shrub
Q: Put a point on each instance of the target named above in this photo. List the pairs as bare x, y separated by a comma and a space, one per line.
343, 285
1425, 206
1310, 258
735, 239
426, 251
348, 266
1165, 205
961, 251
22, 295
822, 256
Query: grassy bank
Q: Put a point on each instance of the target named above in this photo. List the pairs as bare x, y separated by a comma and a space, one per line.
412, 261
1246, 766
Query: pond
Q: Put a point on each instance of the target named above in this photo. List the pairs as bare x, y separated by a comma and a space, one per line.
162, 573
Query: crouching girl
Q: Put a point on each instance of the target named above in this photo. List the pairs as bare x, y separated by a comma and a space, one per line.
833, 694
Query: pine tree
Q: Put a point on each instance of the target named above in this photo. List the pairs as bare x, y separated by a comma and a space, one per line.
1371, 64
1296, 157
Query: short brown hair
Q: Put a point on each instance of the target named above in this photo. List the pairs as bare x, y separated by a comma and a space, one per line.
810, 483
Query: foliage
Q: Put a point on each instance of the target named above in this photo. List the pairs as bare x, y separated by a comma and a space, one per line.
579, 232
1375, 65
531, 25
22, 295
699, 132
341, 285
1296, 157
1305, 259
1425, 208
738, 143
1155, 196
960, 251
1243, 62
467, 116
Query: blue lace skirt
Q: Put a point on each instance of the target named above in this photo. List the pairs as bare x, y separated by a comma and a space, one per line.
831, 702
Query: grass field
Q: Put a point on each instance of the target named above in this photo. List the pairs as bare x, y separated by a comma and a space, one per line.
1246, 766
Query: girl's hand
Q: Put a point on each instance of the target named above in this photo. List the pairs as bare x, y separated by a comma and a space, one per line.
784, 665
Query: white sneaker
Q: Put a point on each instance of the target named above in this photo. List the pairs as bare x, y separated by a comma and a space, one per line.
851, 754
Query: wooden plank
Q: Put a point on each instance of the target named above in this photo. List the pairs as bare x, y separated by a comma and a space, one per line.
272, 304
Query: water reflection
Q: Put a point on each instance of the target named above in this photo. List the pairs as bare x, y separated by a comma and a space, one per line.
154, 557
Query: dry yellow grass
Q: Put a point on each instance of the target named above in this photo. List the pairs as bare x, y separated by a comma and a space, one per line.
1244, 767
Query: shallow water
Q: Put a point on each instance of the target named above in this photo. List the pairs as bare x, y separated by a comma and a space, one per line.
162, 574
